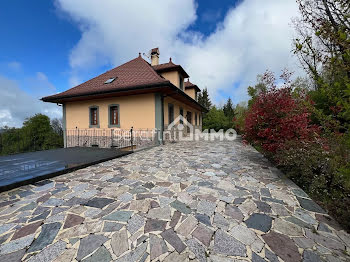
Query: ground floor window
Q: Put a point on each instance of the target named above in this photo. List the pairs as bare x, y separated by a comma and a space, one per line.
94, 116
181, 114
113, 116
171, 113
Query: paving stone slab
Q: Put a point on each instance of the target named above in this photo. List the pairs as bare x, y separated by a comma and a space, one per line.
89, 244
173, 239
99, 202
282, 246
227, 245
46, 236
121, 215
26, 230
260, 222
49, 253
157, 246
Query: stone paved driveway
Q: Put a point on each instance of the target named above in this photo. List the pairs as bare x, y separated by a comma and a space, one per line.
200, 201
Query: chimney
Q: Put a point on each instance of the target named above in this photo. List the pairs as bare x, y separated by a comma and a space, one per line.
155, 56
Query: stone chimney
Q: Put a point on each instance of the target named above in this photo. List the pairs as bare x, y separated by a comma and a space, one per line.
155, 56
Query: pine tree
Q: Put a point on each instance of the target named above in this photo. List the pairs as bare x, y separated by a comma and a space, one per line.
229, 109
204, 100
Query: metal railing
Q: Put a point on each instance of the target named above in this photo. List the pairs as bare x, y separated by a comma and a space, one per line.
112, 138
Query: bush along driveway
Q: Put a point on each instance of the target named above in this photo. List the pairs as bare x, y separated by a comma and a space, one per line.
201, 201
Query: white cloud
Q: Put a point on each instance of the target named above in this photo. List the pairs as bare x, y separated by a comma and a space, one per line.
40, 86
16, 104
14, 65
253, 37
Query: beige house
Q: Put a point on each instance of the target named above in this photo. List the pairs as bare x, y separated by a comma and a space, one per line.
136, 94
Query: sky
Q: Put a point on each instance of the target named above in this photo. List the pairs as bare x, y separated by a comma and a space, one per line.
48, 47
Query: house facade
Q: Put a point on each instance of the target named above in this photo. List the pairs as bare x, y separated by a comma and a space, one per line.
136, 94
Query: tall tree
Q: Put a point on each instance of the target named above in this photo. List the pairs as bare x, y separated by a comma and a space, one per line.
323, 47
204, 100
229, 110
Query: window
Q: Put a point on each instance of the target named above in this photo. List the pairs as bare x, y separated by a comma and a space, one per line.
94, 116
181, 81
171, 113
110, 80
195, 118
113, 116
181, 114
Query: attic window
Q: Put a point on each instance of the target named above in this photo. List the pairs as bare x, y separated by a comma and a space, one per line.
110, 80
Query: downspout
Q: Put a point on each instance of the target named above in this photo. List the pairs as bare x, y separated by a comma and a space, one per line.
162, 118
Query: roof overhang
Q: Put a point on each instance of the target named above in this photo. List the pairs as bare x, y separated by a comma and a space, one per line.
165, 88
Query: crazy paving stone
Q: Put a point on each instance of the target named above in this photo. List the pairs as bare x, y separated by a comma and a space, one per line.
89, 244
287, 228
234, 212
309, 256
154, 225
175, 219
325, 241
13, 257
227, 245
157, 246
122, 216
176, 257
42, 216
3, 238
99, 202
298, 222
111, 226
282, 246
187, 226
256, 258
6, 227
173, 239
310, 205
260, 222
197, 249
49, 253
203, 234
263, 207
206, 207
73, 220
16, 245
26, 230
220, 221
271, 256
119, 242
203, 219
101, 255
243, 234
135, 223
46, 236
160, 213
180, 207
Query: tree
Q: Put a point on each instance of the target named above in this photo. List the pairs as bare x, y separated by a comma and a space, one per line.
215, 119
57, 126
278, 116
239, 118
229, 110
204, 100
323, 48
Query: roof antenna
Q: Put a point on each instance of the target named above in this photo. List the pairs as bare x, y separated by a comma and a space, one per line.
148, 55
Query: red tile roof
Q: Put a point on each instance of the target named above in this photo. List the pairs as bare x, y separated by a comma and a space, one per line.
136, 72
189, 85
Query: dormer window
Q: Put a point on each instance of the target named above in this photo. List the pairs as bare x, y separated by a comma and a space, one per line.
110, 80
181, 80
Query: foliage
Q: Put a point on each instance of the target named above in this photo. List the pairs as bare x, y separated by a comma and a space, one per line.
229, 110
216, 119
277, 115
239, 118
203, 99
36, 134
323, 47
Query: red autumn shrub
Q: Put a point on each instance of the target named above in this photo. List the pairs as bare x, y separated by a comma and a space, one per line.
278, 115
